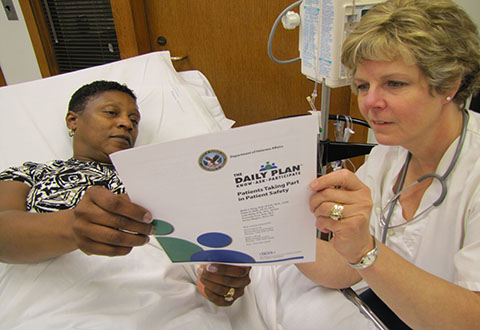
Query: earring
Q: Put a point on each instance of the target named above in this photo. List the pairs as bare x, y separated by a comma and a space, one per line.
71, 132
448, 98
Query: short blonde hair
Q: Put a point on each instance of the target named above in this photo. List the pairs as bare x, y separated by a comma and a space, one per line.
437, 35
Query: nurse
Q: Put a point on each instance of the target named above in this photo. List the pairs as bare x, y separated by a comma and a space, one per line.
408, 222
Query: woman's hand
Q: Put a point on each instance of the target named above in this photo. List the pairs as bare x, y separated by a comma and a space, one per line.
351, 234
109, 224
222, 284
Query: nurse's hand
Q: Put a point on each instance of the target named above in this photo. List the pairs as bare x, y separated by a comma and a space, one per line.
109, 224
351, 234
222, 284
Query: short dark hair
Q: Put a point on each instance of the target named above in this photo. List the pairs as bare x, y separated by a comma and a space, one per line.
79, 99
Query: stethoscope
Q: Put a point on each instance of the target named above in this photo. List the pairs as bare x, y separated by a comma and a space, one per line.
385, 221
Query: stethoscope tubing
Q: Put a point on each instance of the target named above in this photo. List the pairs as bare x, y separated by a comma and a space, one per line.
442, 179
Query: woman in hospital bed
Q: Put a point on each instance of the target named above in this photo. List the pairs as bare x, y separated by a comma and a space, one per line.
80, 203
59, 220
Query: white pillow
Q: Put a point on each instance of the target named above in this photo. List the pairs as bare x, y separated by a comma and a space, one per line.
173, 105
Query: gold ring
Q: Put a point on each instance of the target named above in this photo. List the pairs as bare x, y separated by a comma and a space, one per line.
336, 213
229, 295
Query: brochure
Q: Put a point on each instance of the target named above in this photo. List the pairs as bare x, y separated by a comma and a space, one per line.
238, 196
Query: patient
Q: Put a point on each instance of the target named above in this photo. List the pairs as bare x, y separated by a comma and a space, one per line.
49, 210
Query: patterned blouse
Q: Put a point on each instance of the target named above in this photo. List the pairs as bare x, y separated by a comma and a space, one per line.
60, 184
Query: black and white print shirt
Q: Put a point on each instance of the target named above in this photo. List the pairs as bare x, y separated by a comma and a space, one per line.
60, 184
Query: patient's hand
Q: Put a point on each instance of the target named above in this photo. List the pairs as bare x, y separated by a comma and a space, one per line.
216, 281
109, 224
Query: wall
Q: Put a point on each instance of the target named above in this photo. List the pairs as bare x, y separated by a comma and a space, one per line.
17, 58
472, 7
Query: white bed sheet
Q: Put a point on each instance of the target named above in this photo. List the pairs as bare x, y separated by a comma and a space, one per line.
142, 290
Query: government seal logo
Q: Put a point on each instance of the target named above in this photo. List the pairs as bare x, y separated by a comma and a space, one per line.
212, 160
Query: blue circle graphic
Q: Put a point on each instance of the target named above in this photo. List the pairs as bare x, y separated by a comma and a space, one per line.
222, 256
214, 240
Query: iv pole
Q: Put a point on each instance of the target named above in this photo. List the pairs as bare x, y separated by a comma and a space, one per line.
325, 108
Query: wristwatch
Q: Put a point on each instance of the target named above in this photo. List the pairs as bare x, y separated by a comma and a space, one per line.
369, 258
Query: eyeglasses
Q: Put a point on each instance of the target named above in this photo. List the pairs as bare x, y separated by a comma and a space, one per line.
387, 211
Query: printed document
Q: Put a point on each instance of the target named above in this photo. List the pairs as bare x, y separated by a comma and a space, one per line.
238, 196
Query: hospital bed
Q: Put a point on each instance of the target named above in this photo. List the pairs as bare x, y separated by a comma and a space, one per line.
142, 290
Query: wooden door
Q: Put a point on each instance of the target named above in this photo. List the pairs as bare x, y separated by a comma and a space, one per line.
227, 41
